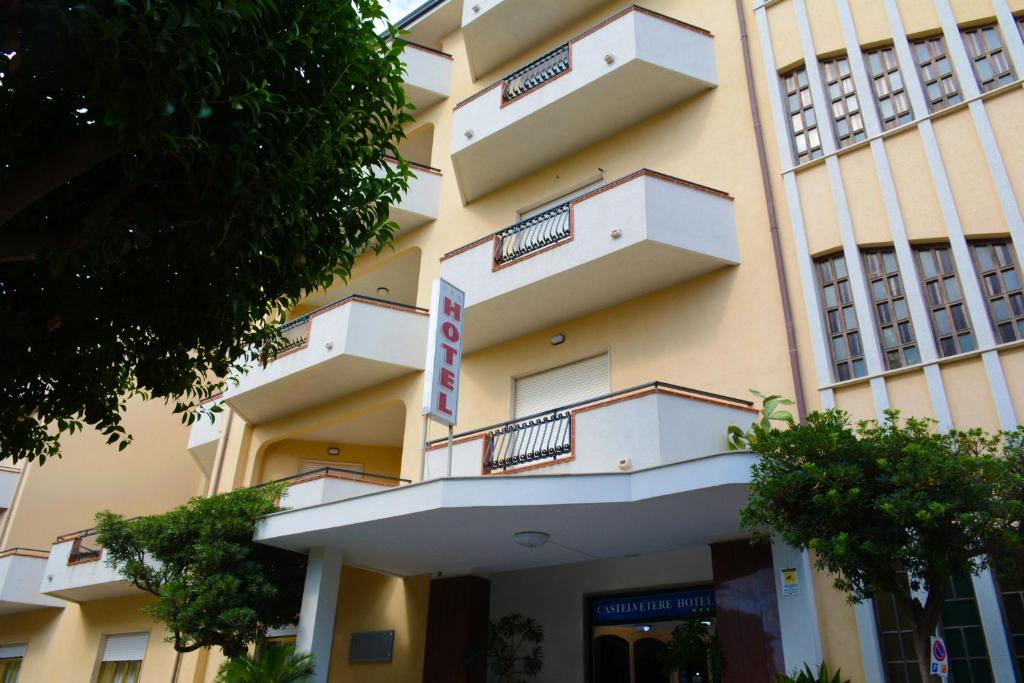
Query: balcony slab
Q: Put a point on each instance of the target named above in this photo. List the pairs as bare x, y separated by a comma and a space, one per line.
21, 572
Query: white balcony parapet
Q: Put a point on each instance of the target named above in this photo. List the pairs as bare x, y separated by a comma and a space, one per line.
634, 429
9, 477
497, 30
329, 484
573, 259
421, 203
21, 571
620, 72
349, 345
428, 75
77, 570
204, 436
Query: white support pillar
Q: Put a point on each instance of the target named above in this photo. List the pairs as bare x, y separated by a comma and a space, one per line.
319, 603
999, 654
798, 613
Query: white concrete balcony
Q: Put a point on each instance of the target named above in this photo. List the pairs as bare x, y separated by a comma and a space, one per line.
571, 259
76, 570
330, 484
21, 572
428, 75
203, 438
336, 350
635, 429
9, 477
495, 31
421, 203
618, 73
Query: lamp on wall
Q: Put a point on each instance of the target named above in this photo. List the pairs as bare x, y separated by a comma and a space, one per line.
333, 450
531, 539
557, 339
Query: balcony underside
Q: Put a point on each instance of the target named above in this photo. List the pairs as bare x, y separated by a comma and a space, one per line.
82, 581
21, 572
408, 531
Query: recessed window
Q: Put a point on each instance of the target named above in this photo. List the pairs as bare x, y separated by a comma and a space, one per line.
940, 86
845, 345
122, 658
1020, 25
892, 316
947, 311
803, 122
890, 91
846, 116
1000, 283
985, 48
1013, 607
10, 662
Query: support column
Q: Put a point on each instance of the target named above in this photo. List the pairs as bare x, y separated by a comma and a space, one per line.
798, 613
319, 603
747, 612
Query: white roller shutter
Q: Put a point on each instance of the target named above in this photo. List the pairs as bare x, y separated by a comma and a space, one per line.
12, 651
125, 647
561, 386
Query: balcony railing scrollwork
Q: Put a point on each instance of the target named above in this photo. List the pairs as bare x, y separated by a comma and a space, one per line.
542, 437
536, 73
532, 234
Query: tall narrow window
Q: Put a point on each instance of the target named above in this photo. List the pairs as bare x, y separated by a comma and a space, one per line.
896, 636
940, 84
1013, 609
122, 656
803, 123
890, 92
950, 321
849, 125
890, 302
1000, 280
1020, 26
10, 662
841, 317
985, 48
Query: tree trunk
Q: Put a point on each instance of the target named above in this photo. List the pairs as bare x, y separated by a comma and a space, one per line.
923, 646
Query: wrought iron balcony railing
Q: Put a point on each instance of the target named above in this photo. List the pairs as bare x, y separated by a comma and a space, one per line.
532, 234
340, 472
525, 441
537, 72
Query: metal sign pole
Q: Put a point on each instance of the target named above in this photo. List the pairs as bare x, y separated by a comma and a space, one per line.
451, 429
426, 431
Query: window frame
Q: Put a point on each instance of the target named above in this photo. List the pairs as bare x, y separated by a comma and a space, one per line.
908, 352
1007, 296
946, 304
980, 51
945, 99
840, 309
847, 91
801, 90
889, 69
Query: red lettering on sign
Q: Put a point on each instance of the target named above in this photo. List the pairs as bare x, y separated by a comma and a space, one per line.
452, 309
442, 404
447, 379
449, 354
450, 332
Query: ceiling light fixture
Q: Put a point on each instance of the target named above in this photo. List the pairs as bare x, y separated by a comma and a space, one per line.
531, 539
557, 339
333, 450
383, 290
643, 628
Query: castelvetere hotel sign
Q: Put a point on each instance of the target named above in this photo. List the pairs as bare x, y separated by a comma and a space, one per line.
653, 607
444, 353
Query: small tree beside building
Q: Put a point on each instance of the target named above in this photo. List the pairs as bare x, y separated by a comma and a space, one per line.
890, 506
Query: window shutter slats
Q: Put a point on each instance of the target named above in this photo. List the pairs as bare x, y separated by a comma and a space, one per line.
562, 386
125, 647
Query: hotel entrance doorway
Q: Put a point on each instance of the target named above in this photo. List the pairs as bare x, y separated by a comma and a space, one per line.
652, 637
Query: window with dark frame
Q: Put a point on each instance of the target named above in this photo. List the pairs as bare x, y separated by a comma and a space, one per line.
846, 117
1012, 595
892, 316
890, 91
997, 269
985, 48
896, 636
803, 122
845, 343
1020, 26
940, 84
951, 324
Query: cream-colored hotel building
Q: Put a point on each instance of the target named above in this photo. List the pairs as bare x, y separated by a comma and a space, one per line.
651, 210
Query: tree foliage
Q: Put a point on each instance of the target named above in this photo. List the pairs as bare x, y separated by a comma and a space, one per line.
272, 664
513, 650
890, 506
172, 174
215, 586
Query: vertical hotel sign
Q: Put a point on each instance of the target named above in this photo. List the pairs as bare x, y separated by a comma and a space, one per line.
444, 353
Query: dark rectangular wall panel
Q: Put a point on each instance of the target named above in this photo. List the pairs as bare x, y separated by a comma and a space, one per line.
457, 619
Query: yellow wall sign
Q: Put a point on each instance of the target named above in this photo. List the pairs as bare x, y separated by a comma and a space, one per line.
790, 581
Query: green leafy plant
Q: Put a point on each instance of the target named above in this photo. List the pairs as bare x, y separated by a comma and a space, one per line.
809, 675
172, 175
889, 506
274, 664
771, 411
214, 585
694, 649
513, 650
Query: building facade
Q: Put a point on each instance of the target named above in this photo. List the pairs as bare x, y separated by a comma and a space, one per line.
651, 210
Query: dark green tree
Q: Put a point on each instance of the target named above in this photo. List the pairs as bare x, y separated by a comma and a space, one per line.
272, 664
173, 173
513, 650
889, 507
214, 585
